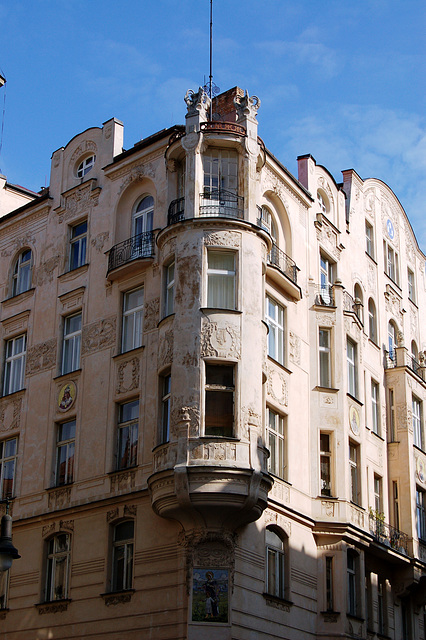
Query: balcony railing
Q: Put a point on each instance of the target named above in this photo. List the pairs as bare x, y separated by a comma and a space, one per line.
140, 246
388, 535
324, 295
351, 305
283, 262
221, 203
401, 358
176, 211
223, 127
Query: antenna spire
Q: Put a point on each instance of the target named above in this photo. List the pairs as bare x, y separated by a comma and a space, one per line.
211, 61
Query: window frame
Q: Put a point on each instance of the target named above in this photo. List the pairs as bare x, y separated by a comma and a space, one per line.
420, 513
7, 460
276, 555
227, 275
276, 329
391, 262
210, 401
166, 396
372, 321
22, 273
53, 557
14, 380
375, 407
223, 178
129, 425
85, 165
352, 367
276, 437
417, 422
354, 473
132, 338
128, 545
324, 359
79, 242
143, 216
369, 239
72, 338
352, 572
325, 463
169, 288
68, 444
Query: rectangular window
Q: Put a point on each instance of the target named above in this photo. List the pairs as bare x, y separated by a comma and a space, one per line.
122, 556
169, 289
219, 402
325, 464
276, 441
392, 416
8, 454
329, 583
275, 564
351, 358
132, 319
165, 408
391, 262
325, 358
375, 408
220, 171
355, 492
378, 501
275, 321
65, 449
57, 569
78, 245
221, 293
421, 513
369, 239
71, 344
381, 608
411, 287
14, 366
417, 422
127, 448
352, 573
395, 505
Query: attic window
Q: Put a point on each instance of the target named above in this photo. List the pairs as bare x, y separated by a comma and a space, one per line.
85, 166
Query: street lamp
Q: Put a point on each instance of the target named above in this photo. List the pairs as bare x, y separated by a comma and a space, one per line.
7, 551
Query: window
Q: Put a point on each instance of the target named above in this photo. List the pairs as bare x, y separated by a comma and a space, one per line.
132, 319
8, 453
415, 358
372, 321
411, 287
324, 358
395, 504
329, 583
391, 262
392, 340
143, 216
351, 358
378, 500
369, 239
165, 407
392, 432
375, 408
326, 279
421, 513
71, 344
122, 556
321, 203
275, 321
275, 564
355, 493
127, 449
325, 464
220, 171
85, 166
276, 442
353, 582
219, 409
65, 448
78, 245
381, 606
359, 302
57, 568
14, 368
4, 588
169, 288
417, 422
221, 280
21, 279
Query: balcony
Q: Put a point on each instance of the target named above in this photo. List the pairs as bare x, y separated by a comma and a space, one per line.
134, 248
283, 262
399, 357
324, 295
223, 127
176, 212
387, 535
351, 305
221, 204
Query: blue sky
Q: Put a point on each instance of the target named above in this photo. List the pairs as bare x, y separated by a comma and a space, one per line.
344, 81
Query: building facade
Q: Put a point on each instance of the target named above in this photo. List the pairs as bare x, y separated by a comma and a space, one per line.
213, 388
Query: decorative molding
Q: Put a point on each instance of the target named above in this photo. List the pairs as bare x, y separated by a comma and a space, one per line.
83, 148
10, 413
272, 517
219, 451
165, 349
72, 299
326, 319
151, 314
128, 376
220, 341
48, 529
136, 173
66, 525
230, 239
15, 324
99, 241
179, 412
123, 480
99, 335
294, 343
53, 607
44, 273
277, 386
59, 498
271, 601
327, 508
78, 201
112, 599
41, 357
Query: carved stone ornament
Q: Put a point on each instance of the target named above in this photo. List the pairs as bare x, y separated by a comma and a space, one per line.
59, 498
280, 491
53, 607
357, 516
99, 241
420, 469
272, 517
151, 314
128, 375
165, 349
66, 525
112, 599
17, 244
219, 341
83, 147
113, 514
326, 319
323, 184
44, 273
78, 202
277, 604
10, 413
246, 105
370, 202
196, 102
229, 239
99, 335
218, 451
137, 174
123, 481
294, 342
41, 357
277, 386
129, 510
66, 396
181, 413
165, 457
327, 508
48, 529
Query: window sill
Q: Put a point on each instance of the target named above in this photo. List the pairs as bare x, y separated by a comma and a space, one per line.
419, 449
355, 399
60, 486
117, 597
376, 435
70, 373
165, 319
74, 272
122, 470
53, 606
280, 478
355, 504
279, 364
326, 389
399, 292
125, 353
18, 297
371, 257
219, 310
211, 437
355, 617
321, 497
12, 393
374, 344
278, 603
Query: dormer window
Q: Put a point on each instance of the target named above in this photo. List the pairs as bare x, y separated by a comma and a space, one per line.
85, 166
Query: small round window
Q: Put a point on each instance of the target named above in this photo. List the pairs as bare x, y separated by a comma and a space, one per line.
85, 166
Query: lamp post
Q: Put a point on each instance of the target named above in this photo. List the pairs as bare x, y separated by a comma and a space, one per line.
8, 552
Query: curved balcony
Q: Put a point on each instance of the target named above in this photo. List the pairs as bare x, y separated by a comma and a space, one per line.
283, 270
137, 247
223, 127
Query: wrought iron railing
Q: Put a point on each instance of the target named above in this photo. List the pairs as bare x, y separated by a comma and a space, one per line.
176, 211
140, 246
400, 358
228, 127
283, 262
387, 535
351, 305
221, 203
324, 295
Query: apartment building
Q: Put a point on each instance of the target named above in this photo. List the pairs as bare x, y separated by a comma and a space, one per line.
213, 387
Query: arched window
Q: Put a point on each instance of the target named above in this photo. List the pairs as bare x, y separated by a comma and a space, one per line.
414, 357
359, 302
392, 339
122, 556
276, 566
372, 321
322, 202
21, 279
143, 215
57, 567
85, 166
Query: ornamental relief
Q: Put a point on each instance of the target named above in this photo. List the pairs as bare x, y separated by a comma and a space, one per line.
272, 183
403, 416
272, 517
165, 349
229, 239
145, 169
80, 201
322, 183
44, 273
124, 481
128, 375
219, 341
151, 314
41, 357
328, 238
219, 451
182, 414
370, 202
414, 323
277, 387
10, 413
294, 350
388, 212
165, 458
280, 491
59, 498
26, 240
137, 174
99, 241
99, 335
393, 303
84, 147
327, 508
326, 319
371, 279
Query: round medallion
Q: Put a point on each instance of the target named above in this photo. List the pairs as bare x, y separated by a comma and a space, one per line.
420, 470
66, 396
354, 420
390, 229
